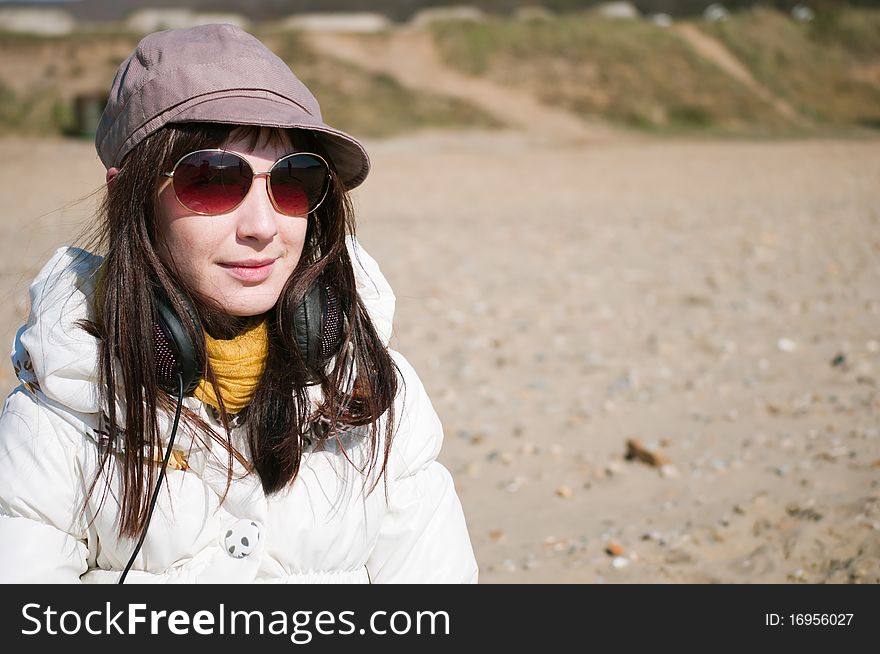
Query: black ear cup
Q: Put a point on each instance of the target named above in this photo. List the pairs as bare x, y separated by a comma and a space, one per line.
331, 323
318, 326
317, 323
175, 352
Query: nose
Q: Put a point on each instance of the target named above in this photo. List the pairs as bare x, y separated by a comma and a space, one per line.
257, 218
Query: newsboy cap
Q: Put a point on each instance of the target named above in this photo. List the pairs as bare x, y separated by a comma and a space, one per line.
214, 73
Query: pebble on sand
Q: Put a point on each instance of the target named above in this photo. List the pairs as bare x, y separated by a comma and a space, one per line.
563, 491
635, 450
613, 548
514, 485
786, 345
669, 471
797, 575
508, 566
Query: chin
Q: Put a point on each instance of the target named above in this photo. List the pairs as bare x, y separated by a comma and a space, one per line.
248, 306
243, 311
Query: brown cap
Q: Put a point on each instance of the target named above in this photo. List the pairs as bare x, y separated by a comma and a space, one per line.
215, 74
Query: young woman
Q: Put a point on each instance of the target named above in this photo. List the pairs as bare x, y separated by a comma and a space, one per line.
212, 398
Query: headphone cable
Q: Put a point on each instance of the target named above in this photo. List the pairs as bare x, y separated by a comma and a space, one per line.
161, 478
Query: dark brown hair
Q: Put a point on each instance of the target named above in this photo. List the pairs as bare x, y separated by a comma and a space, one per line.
359, 383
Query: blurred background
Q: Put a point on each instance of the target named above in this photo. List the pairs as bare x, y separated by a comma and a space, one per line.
634, 247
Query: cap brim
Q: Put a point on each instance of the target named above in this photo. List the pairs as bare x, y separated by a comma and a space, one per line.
346, 152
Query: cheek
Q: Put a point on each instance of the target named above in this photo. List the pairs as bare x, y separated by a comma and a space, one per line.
293, 236
181, 245
187, 242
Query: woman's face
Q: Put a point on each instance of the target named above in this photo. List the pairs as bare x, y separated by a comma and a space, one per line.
242, 258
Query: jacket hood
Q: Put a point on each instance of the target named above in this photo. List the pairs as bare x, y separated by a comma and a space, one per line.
52, 354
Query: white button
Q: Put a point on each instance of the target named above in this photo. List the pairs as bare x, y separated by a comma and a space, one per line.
241, 539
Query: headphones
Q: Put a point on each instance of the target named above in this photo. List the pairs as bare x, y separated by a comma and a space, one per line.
317, 323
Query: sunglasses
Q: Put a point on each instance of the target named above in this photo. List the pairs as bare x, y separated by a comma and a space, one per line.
213, 182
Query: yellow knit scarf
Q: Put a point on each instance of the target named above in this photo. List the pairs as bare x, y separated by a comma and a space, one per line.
238, 364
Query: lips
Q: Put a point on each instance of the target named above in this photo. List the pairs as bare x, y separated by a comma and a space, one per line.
249, 270
248, 263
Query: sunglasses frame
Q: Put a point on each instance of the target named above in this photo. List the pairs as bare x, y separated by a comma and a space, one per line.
267, 174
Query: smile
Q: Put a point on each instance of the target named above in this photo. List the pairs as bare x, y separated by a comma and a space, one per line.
249, 271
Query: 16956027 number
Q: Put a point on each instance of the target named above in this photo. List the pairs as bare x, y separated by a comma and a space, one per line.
820, 619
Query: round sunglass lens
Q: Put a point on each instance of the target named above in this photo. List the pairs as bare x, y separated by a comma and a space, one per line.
212, 182
298, 184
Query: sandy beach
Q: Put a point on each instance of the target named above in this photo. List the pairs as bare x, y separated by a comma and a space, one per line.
716, 301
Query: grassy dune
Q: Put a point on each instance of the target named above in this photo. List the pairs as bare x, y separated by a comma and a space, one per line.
632, 73
39, 78
366, 103
638, 74
828, 70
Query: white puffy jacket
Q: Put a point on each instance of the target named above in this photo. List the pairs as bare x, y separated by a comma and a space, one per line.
321, 529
